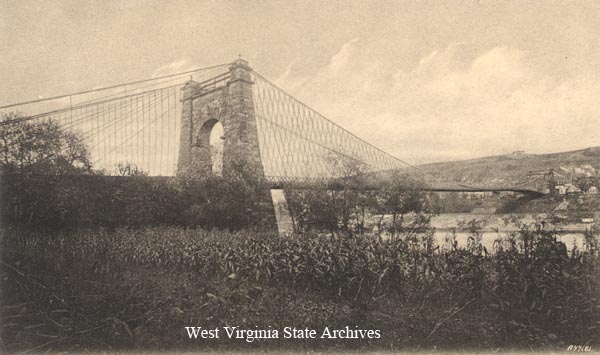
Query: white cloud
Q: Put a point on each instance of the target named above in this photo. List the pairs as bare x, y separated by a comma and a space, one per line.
177, 66
452, 105
289, 79
341, 59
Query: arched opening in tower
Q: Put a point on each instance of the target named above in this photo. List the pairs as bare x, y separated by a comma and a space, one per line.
216, 141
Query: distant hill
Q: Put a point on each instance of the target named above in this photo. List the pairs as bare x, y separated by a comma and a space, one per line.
513, 168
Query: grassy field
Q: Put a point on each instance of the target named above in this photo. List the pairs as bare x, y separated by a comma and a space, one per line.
136, 289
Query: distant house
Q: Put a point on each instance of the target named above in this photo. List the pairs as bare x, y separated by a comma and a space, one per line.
592, 190
572, 189
561, 189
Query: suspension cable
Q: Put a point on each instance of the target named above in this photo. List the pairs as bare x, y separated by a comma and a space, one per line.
114, 86
258, 75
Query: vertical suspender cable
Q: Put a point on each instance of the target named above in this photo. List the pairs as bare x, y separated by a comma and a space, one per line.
137, 128
92, 129
124, 134
154, 149
101, 132
143, 135
173, 123
116, 120
98, 118
168, 136
161, 132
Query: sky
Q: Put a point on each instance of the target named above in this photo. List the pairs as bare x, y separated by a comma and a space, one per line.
426, 81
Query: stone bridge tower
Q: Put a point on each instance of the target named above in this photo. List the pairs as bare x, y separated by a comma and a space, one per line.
227, 99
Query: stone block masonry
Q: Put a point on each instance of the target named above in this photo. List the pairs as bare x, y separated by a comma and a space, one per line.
232, 105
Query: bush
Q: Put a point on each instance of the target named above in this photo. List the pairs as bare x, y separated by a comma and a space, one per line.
85, 201
343, 205
47, 183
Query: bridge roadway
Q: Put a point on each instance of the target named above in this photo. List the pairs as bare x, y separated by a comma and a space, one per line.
305, 183
374, 184
521, 190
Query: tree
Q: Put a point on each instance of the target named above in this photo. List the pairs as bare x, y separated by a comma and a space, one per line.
344, 203
349, 201
335, 204
34, 159
398, 196
41, 148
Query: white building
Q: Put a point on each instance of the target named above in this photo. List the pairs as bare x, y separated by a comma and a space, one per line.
572, 189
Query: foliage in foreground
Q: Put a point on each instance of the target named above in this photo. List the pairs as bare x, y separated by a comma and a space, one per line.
139, 288
54, 203
47, 182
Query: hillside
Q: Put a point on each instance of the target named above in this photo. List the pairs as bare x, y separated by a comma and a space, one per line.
513, 168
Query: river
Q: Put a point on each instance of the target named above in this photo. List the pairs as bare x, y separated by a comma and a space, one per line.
499, 227
493, 227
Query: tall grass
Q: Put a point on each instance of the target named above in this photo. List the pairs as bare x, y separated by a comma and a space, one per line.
529, 293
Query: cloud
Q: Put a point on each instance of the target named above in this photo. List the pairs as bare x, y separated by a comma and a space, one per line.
456, 103
177, 66
289, 78
341, 59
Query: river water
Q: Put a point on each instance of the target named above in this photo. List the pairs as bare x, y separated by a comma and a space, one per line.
498, 227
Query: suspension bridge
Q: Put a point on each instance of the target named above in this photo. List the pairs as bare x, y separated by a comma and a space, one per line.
198, 122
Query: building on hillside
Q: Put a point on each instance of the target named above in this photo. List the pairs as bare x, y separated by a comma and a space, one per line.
561, 189
592, 190
572, 189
